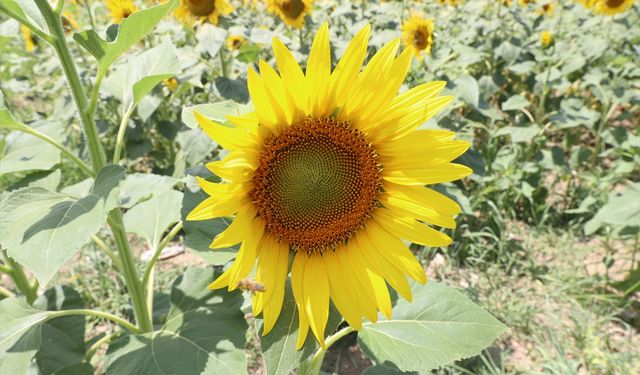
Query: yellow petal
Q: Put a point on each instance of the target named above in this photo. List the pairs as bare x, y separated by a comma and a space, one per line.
297, 278
247, 255
261, 101
374, 280
412, 120
222, 191
434, 174
411, 230
358, 282
317, 73
418, 139
386, 268
292, 74
221, 281
400, 204
346, 72
341, 293
239, 229
227, 137
274, 288
212, 208
396, 251
441, 152
281, 99
315, 294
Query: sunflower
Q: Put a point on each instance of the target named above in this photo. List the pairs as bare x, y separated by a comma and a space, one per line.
192, 11
121, 9
234, 42
506, 3
611, 7
29, 39
418, 32
291, 12
69, 22
546, 39
330, 169
546, 9
526, 2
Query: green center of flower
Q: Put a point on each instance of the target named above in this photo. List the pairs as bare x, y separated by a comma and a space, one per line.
317, 183
201, 7
293, 8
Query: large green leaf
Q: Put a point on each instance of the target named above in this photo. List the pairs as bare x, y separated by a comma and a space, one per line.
28, 333
199, 234
131, 30
24, 10
138, 187
279, 346
25, 152
130, 82
151, 218
42, 229
204, 334
440, 326
623, 209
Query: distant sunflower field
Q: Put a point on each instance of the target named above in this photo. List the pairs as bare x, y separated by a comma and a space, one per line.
319, 187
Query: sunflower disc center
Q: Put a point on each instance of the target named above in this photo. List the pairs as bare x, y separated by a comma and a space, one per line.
292, 8
201, 7
316, 184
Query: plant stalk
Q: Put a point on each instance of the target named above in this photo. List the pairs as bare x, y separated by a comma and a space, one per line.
59, 43
129, 272
315, 362
99, 314
30, 291
117, 153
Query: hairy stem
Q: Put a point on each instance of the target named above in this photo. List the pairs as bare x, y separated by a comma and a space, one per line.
29, 290
99, 314
59, 43
117, 153
129, 272
315, 361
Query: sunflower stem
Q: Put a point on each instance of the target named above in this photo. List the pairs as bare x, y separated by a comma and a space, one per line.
30, 291
129, 272
59, 43
315, 362
117, 153
98, 314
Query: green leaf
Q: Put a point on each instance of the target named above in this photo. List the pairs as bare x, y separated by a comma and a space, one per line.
66, 333
199, 234
138, 187
131, 31
151, 218
233, 89
42, 229
33, 332
248, 53
215, 111
519, 134
469, 90
130, 82
440, 326
523, 67
515, 103
622, 209
279, 346
24, 10
24, 152
204, 334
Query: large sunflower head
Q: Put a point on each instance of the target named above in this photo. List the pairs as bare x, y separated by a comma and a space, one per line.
194, 11
331, 169
121, 9
611, 7
418, 32
291, 12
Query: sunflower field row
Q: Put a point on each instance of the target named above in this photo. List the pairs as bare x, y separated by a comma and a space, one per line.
319, 187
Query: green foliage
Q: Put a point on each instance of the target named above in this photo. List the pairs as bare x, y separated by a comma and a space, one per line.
438, 327
555, 147
55, 224
203, 334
